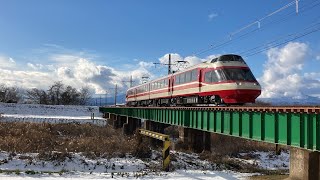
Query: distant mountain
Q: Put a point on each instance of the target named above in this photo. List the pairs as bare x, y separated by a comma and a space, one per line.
101, 100
305, 101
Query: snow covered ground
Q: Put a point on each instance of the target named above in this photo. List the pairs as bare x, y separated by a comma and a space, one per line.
50, 114
77, 166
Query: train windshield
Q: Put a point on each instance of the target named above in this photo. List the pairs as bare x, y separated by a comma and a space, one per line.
238, 74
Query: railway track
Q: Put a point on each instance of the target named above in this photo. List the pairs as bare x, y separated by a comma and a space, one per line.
288, 109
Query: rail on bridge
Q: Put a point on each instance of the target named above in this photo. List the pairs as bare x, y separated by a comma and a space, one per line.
291, 126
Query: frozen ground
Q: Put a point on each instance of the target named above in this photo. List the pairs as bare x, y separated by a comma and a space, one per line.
77, 166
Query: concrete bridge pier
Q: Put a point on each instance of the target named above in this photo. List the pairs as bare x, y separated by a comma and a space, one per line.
106, 115
131, 125
112, 117
304, 164
116, 121
197, 140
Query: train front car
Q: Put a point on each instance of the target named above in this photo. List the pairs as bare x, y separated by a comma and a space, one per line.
228, 80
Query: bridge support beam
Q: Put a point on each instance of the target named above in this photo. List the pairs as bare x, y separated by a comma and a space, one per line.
131, 125
304, 164
197, 140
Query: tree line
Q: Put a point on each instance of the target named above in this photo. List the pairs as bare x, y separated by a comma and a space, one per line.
57, 94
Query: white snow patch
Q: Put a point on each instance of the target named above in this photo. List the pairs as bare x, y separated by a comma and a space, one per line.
267, 160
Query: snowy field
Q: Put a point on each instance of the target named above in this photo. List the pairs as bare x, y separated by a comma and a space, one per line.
77, 166
51, 114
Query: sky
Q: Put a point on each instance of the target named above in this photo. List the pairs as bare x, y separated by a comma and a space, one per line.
102, 43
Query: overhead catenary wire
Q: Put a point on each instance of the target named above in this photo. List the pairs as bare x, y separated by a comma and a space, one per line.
300, 35
242, 29
270, 43
303, 9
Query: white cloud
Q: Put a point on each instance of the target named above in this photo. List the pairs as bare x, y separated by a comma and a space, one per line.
212, 16
7, 62
318, 57
282, 75
71, 70
35, 66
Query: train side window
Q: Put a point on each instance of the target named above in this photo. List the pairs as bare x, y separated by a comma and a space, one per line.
177, 79
207, 76
182, 78
188, 76
194, 75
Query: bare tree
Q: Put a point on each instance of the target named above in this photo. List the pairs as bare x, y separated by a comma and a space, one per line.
55, 92
85, 96
70, 96
9, 94
38, 96
59, 94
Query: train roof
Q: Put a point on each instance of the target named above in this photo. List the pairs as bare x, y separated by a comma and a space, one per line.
227, 57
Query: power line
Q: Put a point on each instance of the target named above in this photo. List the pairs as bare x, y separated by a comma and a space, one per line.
302, 9
258, 22
275, 43
281, 43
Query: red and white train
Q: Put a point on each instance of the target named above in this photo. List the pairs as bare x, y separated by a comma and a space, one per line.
223, 80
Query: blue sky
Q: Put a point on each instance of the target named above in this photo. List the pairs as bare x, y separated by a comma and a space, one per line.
101, 43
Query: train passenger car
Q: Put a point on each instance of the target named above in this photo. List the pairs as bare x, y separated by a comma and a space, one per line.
223, 80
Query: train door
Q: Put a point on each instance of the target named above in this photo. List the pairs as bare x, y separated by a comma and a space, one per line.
170, 86
148, 90
200, 80
135, 94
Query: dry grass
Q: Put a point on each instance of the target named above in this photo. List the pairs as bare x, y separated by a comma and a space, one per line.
47, 138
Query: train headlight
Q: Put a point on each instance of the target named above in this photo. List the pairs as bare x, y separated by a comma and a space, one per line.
238, 83
256, 84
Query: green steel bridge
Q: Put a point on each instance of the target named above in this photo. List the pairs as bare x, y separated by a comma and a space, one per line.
291, 126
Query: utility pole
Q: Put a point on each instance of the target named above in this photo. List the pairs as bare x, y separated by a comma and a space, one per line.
106, 98
169, 65
115, 95
130, 81
177, 63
